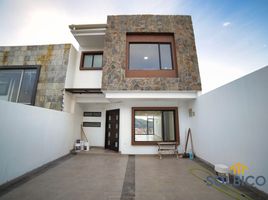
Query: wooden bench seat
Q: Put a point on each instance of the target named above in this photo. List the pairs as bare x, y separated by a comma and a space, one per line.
167, 148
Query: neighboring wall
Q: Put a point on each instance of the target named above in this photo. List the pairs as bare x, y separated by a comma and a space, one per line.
114, 57
32, 136
231, 124
53, 60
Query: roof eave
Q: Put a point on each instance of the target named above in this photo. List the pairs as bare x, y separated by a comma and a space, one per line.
87, 26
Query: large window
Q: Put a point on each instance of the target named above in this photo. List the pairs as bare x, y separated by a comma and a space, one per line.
152, 125
151, 56
91, 61
18, 84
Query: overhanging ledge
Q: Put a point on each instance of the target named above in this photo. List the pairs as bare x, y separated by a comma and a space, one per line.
151, 95
83, 90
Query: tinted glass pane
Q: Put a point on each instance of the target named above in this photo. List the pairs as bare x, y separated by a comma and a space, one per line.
9, 84
140, 123
168, 126
87, 61
97, 61
150, 122
143, 57
165, 53
4, 85
27, 86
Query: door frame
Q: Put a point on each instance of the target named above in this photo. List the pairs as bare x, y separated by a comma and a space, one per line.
106, 132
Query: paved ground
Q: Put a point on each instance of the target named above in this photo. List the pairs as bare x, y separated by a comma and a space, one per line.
114, 177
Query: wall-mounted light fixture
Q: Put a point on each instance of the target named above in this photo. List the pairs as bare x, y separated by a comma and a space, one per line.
191, 112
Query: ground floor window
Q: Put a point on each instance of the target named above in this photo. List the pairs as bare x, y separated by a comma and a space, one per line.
154, 124
18, 84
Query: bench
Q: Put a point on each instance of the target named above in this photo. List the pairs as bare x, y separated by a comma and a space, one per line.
167, 148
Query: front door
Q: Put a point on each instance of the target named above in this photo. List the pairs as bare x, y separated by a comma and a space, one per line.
112, 130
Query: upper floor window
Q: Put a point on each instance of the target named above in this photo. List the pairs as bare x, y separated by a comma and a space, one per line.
19, 84
151, 56
91, 61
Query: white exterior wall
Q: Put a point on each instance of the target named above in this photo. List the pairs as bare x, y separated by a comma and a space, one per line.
96, 136
71, 68
33, 136
231, 124
76, 78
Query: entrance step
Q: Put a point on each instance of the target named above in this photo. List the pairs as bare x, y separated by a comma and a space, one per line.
99, 150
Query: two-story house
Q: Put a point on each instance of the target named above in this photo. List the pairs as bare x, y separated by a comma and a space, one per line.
131, 79
133, 82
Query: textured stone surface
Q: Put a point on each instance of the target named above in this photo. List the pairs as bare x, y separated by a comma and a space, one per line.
114, 57
53, 60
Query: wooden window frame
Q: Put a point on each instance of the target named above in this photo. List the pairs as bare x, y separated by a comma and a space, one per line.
176, 118
84, 53
163, 38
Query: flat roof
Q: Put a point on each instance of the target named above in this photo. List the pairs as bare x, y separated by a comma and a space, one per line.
86, 26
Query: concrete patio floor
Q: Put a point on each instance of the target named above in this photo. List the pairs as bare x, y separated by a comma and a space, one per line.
114, 177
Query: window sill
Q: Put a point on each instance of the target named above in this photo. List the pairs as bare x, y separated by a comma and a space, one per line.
88, 69
151, 73
149, 143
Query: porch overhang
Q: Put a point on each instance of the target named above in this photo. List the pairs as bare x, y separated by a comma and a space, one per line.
89, 34
85, 98
151, 95
83, 90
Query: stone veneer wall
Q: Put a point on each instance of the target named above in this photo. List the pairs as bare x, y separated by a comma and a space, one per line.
114, 57
53, 60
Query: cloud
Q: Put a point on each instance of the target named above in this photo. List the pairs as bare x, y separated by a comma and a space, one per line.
225, 24
221, 53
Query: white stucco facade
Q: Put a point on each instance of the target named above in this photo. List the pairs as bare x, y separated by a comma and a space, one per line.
77, 78
96, 136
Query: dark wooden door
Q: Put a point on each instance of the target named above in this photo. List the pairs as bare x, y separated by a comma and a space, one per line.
112, 130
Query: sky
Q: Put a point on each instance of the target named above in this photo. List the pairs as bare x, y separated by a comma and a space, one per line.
231, 35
